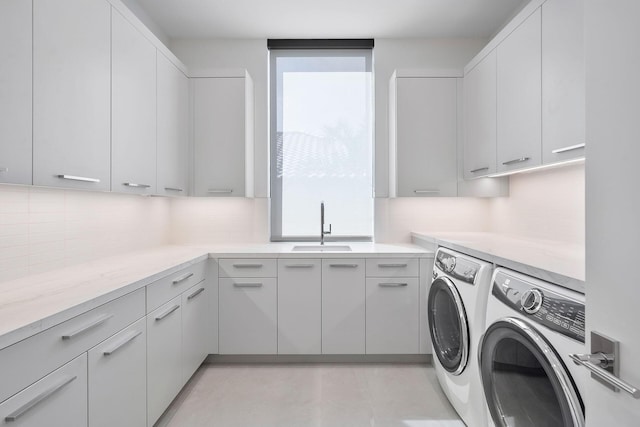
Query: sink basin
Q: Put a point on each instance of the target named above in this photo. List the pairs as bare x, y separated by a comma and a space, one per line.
320, 248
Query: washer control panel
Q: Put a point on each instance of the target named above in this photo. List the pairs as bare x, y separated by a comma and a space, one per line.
557, 312
457, 267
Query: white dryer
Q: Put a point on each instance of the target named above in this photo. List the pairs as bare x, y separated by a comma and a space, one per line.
456, 312
528, 377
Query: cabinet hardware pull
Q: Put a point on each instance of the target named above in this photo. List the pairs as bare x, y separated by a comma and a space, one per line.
586, 361
392, 285
99, 321
247, 265
4, 169
220, 191
247, 285
78, 178
134, 185
182, 278
569, 148
38, 399
195, 294
133, 335
343, 265
426, 191
392, 265
173, 189
514, 161
486, 168
168, 312
299, 266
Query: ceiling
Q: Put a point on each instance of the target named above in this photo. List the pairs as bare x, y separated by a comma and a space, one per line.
330, 18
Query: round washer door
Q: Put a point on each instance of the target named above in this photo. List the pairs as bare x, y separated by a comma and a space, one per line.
525, 382
448, 325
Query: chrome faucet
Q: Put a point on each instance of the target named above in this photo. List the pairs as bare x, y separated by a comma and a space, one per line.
322, 232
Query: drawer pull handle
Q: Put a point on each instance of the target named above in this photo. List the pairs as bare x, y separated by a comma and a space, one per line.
78, 178
392, 285
247, 265
182, 278
168, 312
39, 399
173, 189
392, 265
195, 294
426, 191
133, 335
569, 148
343, 265
134, 185
99, 321
247, 285
486, 168
299, 266
219, 191
514, 161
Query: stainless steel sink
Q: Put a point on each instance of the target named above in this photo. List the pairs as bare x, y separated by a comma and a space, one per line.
320, 248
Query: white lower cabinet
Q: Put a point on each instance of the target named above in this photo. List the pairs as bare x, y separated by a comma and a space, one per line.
59, 399
299, 306
343, 306
196, 315
118, 379
393, 311
164, 351
248, 316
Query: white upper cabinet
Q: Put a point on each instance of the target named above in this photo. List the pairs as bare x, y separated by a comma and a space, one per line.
480, 119
519, 97
15, 91
563, 81
71, 93
423, 137
223, 136
133, 109
172, 129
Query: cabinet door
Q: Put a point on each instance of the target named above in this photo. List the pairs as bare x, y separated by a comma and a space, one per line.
299, 306
164, 353
118, 379
196, 323
219, 137
519, 97
480, 119
563, 81
393, 310
343, 306
173, 129
426, 277
248, 316
426, 137
71, 93
59, 399
15, 91
133, 110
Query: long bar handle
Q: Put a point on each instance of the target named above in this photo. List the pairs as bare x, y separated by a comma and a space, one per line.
343, 265
220, 191
426, 191
173, 189
586, 360
97, 322
514, 161
486, 168
133, 335
247, 265
392, 285
299, 266
247, 285
182, 278
195, 294
392, 265
14, 416
135, 185
168, 312
568, 148
78, 178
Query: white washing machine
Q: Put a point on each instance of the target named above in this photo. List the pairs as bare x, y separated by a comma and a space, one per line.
527, 375
456, 312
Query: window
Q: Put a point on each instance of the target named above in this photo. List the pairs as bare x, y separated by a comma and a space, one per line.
321, 143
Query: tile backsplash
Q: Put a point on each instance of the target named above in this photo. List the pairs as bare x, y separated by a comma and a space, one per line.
44, 229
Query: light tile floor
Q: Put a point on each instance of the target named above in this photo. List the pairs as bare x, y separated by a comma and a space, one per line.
297, 395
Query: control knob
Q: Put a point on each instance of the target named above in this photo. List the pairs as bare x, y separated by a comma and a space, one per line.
531, 301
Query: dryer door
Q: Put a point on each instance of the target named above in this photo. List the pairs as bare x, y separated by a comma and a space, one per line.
525, 382
448, 325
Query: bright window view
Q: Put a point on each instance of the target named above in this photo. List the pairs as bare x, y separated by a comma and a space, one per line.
322, 143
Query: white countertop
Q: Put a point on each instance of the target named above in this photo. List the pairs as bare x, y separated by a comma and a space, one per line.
557, 262
34, 303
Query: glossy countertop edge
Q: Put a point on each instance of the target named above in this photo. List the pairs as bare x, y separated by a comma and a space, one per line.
472, 244
23, 301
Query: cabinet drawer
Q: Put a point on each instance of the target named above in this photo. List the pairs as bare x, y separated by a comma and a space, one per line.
59, 399
169, 287
248, 267
392, 267
25, 362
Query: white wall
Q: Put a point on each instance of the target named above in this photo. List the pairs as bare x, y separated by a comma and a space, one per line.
44, 229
